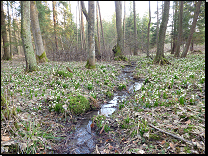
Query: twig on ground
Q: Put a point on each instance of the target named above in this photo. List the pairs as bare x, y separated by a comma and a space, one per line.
177, 137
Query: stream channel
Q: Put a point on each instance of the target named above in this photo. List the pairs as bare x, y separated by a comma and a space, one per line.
82, 140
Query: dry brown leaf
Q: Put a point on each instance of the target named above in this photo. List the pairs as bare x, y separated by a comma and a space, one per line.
109, 140
5, 138
172, 146
188, 122
162, 142
110, 147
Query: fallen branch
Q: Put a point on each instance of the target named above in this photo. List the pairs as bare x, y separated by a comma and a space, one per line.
175, 136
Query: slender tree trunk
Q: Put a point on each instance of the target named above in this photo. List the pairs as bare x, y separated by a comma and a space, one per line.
135, 30
6, 55
39, 48
192, 45
175, 29
77, 25
148, 31
119, 46
180, 31
101, 28
91, 47
157, 25
124, 26
9, 28
196, 14
54, 22
160, 58
83, 32
97, 38
31, 64
15, 32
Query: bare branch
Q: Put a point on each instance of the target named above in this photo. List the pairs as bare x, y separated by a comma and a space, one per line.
84, 10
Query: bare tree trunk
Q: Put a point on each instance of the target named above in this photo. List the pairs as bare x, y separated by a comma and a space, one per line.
192, 45
39, 48
135, 30
180, 31
9, 28
6, 55
97, 38
148, 31
91, 47
160, 58
175, 29
124, 26
157, 25
101, 28
83, 32
196, 14
54, 22
119, 46
31, 64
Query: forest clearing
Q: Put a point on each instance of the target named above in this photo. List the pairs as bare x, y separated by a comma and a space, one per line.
68, 90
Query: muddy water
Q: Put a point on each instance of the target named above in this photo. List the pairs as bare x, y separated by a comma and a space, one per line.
82, 140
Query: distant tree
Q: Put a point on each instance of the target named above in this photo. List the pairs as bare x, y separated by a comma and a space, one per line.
124, 19
180, 31
196, 14
160, 58
9, 28
175, 27
39, 48
119, 47
148, 31
31, 64
6, 55
135, 30
90, 19
54, 22
97, 38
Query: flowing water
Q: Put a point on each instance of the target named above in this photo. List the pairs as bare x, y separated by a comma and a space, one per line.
82, 140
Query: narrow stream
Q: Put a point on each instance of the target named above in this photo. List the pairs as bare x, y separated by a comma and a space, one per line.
82, 140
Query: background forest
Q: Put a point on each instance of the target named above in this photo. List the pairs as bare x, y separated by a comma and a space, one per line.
77, 83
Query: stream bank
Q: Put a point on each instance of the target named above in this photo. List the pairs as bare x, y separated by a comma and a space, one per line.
83, 139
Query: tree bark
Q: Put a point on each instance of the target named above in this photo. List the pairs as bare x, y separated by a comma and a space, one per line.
54, 22
39, 48
124, 25
157, 25
9, 28
119, 46
83, 32
175, 30
160, 58
148, 31
135, 30
91, 47
31, 64
101, 28
97, 38
6, 55
196, 14
180, 31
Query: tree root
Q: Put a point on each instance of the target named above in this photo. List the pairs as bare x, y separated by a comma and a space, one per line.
161, 61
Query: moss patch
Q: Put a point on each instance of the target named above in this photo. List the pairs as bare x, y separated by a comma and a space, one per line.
78, 104
42, 58
88, 66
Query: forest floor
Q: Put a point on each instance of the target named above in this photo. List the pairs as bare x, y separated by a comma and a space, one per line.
167, 115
